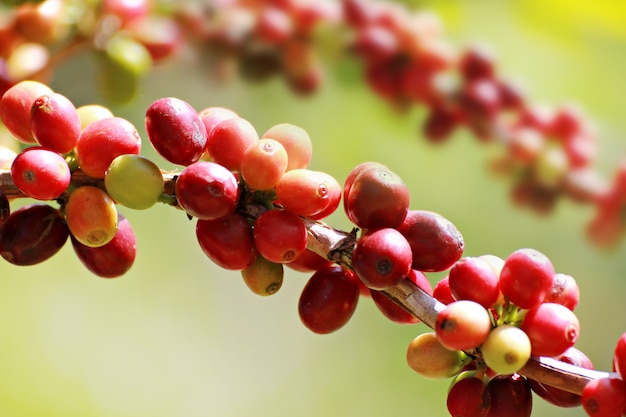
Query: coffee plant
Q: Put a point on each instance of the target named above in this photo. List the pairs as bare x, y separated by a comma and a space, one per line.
497, 332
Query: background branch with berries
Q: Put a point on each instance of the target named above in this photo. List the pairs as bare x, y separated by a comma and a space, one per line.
502, 327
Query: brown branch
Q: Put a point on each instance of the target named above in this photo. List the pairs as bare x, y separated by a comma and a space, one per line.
337, 245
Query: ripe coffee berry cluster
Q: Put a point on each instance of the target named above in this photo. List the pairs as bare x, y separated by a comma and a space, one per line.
497, 314
60, 140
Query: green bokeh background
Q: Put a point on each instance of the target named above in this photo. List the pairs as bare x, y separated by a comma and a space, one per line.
178, 337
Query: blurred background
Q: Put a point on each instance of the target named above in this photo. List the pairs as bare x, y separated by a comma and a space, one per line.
179, 337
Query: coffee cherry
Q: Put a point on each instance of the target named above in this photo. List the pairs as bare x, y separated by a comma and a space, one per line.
526, 278
619, 356
228, 141
176, 130
89, 113
430, 359
308, 261
509, 396
552, 329
308, 193
113, 259
207, 190
134, 181
122, 64
564, 291
40, 173
213, 115
263, 164
472, 278
280, 236
32, 234
263, 277
393, 311
91, 216
605, 397
462, 325
347, 185
15, 108
103, 140
378, 198
382, 258
160, 35
55, 123
466, 396
506, 350
296, 142
435, 242
328, 300
559, 397
442, 292
227, 241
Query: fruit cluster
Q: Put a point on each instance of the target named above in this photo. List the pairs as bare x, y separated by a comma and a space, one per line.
497, 314
258, 206
547, 152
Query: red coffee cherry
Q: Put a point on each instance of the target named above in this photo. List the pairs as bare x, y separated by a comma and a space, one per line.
378, 198
227, 241
15, 107
526, 278
472, 278
102, 141
552, 329
113, 259
40, 173
329, 299
509, 396
435, 241
280, 236
207, 190
605, 397
55, 123
32, 234
462, 325
176, 130
382, 258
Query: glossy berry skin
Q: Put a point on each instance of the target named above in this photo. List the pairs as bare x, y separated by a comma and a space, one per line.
526, 278
296, 142
40, 173
605, 397
435, 241
506, 350
280, 236
393, 311
32, 234
91, 215
102, 141
213, 115
207, 190
382, 258
564, 291
328, 300
552, 329
462, 325
430, 359
134, 181
509, 396
113, 259
465, 397
442, 292
377, 199
308, 261
176, 130
15, 108
227, 241
619, 356
558, 397
228, 141
89, 113
347, 185
55, 123
472, 278
308, 193
263, 164
263, 277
